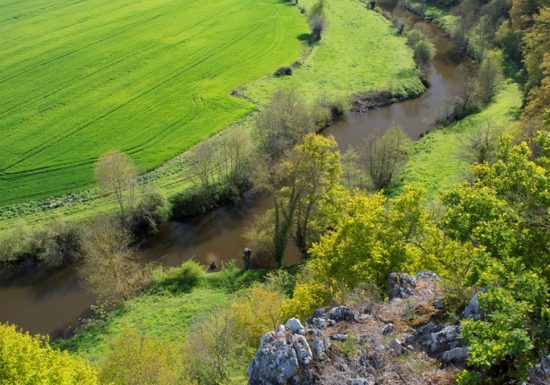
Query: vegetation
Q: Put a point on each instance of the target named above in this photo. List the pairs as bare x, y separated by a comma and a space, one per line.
89, 78
26, 359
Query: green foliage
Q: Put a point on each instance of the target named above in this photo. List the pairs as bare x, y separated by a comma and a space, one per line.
153, 210
30, 360
134, 359
174, 280
199, 199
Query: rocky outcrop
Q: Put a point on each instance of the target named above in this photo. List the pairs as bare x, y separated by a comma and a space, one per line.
346, 345
282, 358
401, 285
441, 342
540, 374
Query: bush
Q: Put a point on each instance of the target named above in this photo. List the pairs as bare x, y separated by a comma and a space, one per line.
283, 71
200, 199
153, 210
26, 359
134, 359
177, 279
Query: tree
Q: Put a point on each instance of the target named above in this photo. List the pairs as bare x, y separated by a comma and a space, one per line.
383, 155
424, 51
134, 359
489, 75
536, 115
116, 173
466, 91
26, 359
317, 21
310, 170
281, 124
110, 267
536, 46
483, 144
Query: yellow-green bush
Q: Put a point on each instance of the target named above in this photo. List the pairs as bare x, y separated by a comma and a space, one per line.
30, 360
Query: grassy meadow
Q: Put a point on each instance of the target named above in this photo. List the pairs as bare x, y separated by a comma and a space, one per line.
151, 78
438, 161
359, 52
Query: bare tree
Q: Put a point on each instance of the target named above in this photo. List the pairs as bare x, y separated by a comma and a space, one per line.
210, 346
384, 154
489, 75
116, 173
466, 91
281, 124
482, 144
110, 268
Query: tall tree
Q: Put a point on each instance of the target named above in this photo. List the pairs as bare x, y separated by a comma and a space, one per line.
116, 173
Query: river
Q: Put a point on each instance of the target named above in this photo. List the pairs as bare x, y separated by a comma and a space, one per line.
53, 304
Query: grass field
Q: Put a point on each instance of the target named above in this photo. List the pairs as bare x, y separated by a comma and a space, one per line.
359, 52
438, 160
151, 78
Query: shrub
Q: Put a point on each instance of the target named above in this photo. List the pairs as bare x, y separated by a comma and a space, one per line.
153, 210
200, 199
177, 279
283, 71
134, 359
26, 359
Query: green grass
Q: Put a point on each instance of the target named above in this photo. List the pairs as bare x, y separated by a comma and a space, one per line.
168, 312
433, 13
151, 78
359, 52
437, 161
167, 316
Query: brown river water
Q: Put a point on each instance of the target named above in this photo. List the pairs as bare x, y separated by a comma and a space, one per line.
53, 304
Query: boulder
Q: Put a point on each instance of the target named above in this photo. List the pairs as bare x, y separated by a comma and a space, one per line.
342, 313
321, 323
319, 344
472, 311
401, 285
294, 325
456, 356
540, 374
440, 342
396, 347
388, 329
281, 359
339, 337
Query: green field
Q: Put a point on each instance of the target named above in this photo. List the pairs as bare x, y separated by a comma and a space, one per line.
438, 160
360, 51
151, 78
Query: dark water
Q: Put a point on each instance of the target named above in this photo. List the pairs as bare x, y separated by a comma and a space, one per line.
51, 305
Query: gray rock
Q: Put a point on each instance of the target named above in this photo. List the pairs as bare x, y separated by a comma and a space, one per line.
472, 311
428, 275
339, 337
322, 323
540, 374
439, 303
456, 356
320, 344
295, 325
379, 349
342, 313
388, 329
401, 285
361, 381
281, 359
396, 347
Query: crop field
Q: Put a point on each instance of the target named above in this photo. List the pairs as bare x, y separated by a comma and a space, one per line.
151, 78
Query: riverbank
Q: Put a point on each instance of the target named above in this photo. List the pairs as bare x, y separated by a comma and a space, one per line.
440, 160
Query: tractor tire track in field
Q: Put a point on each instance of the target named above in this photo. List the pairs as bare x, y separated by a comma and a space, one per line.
153, 44
43, 146
48, 143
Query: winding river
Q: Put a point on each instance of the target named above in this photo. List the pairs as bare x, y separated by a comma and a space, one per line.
53, 304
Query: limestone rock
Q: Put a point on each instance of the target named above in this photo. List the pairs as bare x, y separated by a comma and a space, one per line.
401, 285
342, 313
295, 325
540, 374
388, 329
396, 347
